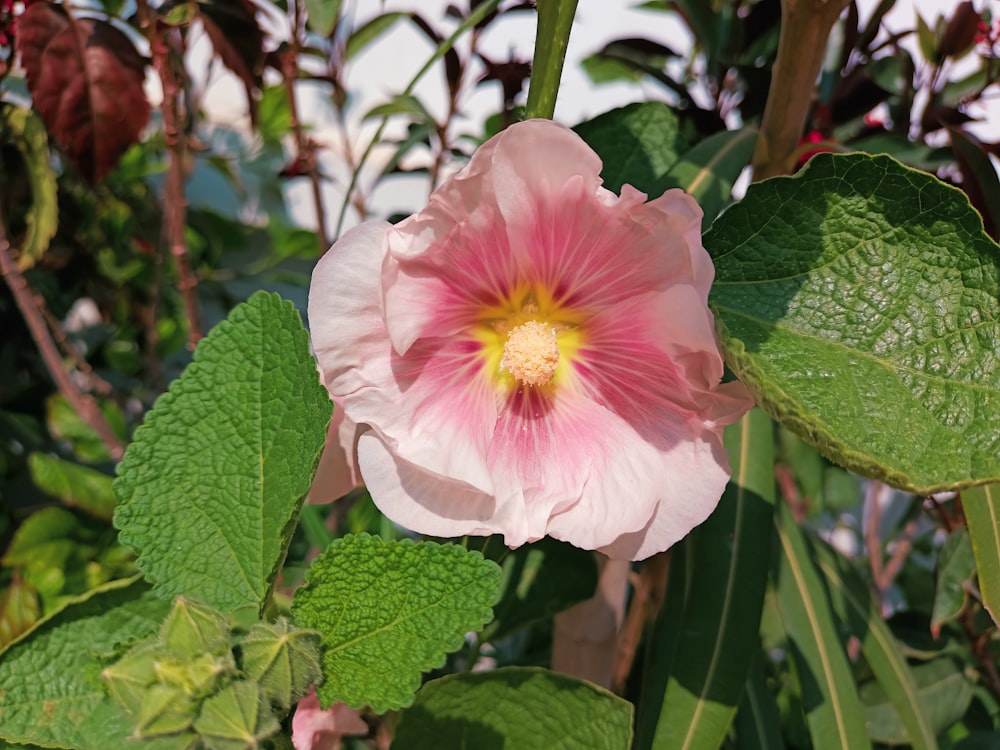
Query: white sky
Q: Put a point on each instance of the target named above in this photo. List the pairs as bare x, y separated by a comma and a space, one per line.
386, 67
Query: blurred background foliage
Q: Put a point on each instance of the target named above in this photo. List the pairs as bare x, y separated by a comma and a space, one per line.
131, 224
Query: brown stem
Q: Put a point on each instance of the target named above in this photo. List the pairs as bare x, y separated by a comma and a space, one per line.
649, 588
305, 148
81, 402
805, 26
873, 541
95, 381
174, 200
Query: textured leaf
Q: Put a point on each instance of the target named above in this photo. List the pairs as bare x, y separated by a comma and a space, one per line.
944, 695
853, 604
26, 133
52, 693
210, 488
76, 485
982, 514
539, 581
322, 15
388, 611
514, 707
727, 559
638, 144
710, 169
860, 303
86, 80
829, 695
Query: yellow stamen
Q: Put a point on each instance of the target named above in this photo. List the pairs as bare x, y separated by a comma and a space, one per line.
531, 353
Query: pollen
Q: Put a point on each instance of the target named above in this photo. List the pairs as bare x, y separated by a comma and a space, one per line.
531, 353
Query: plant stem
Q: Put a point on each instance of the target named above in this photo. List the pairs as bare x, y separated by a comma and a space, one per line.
805, 26
81, 402
482, 10
555, 20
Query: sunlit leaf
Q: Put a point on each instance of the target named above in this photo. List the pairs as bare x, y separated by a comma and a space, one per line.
982, 514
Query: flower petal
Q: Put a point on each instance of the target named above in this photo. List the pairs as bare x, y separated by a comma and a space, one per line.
337, 472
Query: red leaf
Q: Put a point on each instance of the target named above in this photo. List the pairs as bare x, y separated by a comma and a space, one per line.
85, 77
238, 40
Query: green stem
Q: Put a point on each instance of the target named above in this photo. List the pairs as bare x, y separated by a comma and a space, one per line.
482, 10
555, 20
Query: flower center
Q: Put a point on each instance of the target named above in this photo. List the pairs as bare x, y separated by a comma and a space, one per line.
531, 353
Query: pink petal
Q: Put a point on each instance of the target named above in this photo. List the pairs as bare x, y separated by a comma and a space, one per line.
316, 728
337, 472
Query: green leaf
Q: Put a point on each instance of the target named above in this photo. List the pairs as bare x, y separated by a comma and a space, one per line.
209, 490
322, 15
829, 695
26, 133
539, 581
637, 144
860, 303
944, 695
982, 514
854, 606
709, 170
956, 567
979, 177
389, 611
65, 424
727, 559
369, 32
514, 707
758, 724
75, 485
52, 693
401, 105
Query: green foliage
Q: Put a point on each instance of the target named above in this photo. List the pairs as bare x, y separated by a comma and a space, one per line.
513, 707
53, 695
889, 372
210, 488
388, 611
982, 511
75, 485
283, 660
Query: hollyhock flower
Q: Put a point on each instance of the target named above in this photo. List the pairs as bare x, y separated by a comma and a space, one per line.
531, 354
316, 728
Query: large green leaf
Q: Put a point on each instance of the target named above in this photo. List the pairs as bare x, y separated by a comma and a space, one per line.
514, 707
52, 693
982, 514
388, 611
637, 143
860, 303
727, 559
828, 692
854, 607
210, 488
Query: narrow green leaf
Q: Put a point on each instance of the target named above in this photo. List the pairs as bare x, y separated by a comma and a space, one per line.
388, 611
210, 489
25, 131
727, 559
956, 568
979, 176
758, 723
539, 581
514, 707
829, 695
860, 303
638, 144
75, 485
369, 32
855, 607
401, 105
944, 694
710, 169
322, 15
982, 514
52, 692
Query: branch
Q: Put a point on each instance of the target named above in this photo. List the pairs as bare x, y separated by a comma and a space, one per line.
81, 402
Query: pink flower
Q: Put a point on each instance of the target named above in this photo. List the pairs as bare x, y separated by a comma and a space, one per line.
315, 728
531, 354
